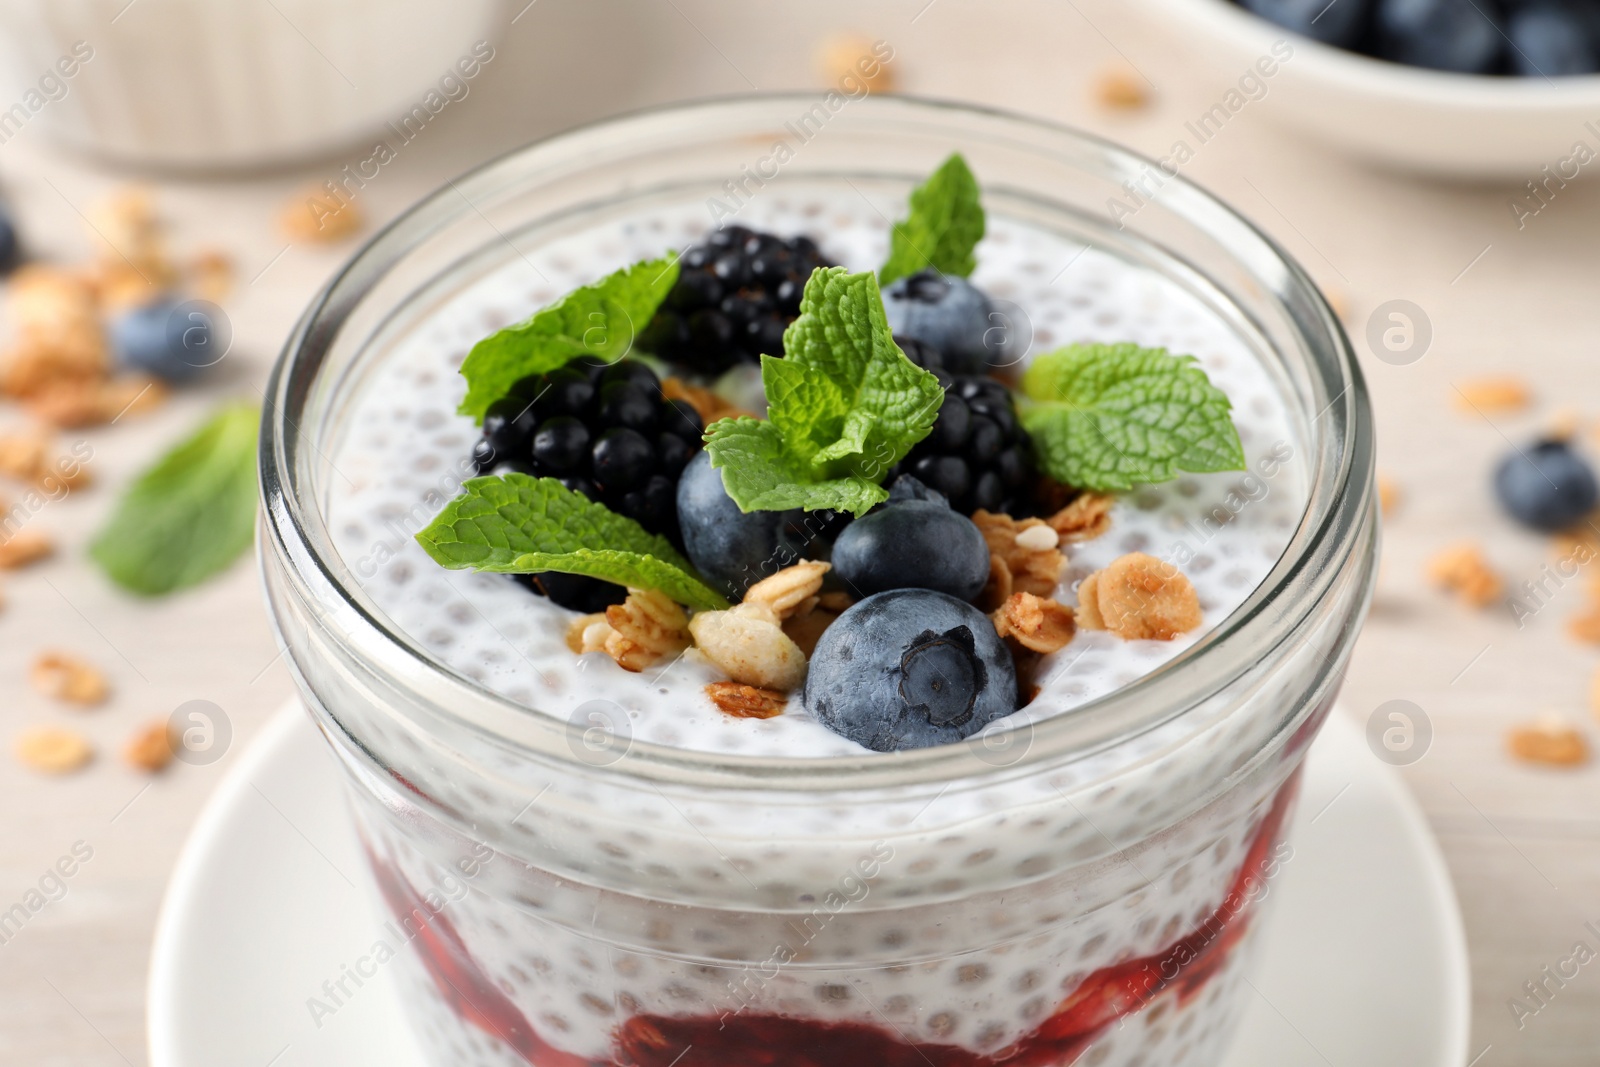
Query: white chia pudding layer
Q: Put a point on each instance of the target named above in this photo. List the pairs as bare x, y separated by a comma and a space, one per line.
963, 918
406, 452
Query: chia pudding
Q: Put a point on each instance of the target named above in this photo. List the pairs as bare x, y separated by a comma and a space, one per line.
594, 860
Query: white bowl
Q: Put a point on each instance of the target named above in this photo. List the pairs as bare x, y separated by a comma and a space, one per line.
1458, 125
230, 84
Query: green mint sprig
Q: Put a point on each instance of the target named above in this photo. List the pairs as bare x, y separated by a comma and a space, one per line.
843, 406
519, 524
945, 225
1107, 417
191, 514
599, 320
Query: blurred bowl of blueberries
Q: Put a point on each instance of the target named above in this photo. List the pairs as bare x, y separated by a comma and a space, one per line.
1473, 89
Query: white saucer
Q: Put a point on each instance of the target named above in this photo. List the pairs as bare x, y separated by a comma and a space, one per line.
1364, 961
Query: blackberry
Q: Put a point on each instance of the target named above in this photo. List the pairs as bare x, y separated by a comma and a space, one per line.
977, 454
603, 431
736, 293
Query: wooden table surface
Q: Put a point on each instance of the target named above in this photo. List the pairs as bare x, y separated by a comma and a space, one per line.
1523, 843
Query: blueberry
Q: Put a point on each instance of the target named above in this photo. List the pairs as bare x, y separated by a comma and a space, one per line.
948, 313
910, 668
165, 339
1455, 35
575, 591
1547, 486
1548, 40
905, 487
1338, 23
730, 548
921, 353
912, 544
10, 244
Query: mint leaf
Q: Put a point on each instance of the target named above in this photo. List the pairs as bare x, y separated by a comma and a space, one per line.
191, 514
844, 406
519, 524
1106, 417
599, 320
945, 225
761, 476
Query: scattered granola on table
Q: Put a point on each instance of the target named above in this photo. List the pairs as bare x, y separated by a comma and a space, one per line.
52, 749
1490, 395
1550, 740
68, 678
1462, 569
150, 747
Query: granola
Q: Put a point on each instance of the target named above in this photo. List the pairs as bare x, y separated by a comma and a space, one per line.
25, 547
1033, 559
1462, 569
52, 749
67, 678
1039, 625
644, 629
1087, 517
150, 747
1550, 740
1485, 395
747, 643
1120, 88
746, 701
1139, 597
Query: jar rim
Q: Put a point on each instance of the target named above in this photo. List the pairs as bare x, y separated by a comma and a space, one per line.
1329, 531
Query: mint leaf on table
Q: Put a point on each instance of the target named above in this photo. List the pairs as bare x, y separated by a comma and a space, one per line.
599, 320
843, 407
945, 225
1107, 417
519, 524
189, 516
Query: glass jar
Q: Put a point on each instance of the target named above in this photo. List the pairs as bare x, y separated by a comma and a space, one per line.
564, 894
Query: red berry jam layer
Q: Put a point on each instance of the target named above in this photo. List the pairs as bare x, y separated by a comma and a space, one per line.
738, 1039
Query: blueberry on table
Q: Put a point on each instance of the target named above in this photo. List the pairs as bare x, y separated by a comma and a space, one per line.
912, 544
1453, 35
1547, 486
1337, 23
733, 549
10, 243
947, 313
910, 668
171, 339
1549, 40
